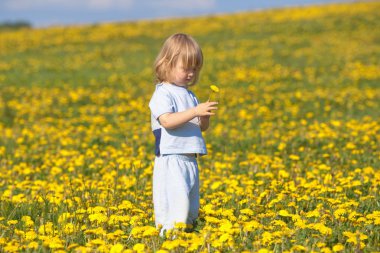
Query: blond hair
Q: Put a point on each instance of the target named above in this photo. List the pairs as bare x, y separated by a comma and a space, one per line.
178, 47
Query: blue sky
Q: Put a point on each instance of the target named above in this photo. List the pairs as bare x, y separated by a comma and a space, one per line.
42, 13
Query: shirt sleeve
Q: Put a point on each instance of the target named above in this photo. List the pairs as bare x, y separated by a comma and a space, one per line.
161, 103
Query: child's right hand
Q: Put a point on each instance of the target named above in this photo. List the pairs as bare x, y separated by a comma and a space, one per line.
205, 109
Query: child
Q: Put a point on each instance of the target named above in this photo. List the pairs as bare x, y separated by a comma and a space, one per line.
177, 121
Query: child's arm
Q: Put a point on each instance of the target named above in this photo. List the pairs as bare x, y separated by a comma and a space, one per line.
204, 122
176, 119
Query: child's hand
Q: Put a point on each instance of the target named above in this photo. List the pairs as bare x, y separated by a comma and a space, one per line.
205, 109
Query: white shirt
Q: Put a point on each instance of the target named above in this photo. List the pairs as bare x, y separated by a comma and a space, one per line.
186, 139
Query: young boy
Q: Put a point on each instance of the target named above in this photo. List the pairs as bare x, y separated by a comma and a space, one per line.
177, 121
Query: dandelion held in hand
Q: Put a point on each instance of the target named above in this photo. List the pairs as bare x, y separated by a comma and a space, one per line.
214, 89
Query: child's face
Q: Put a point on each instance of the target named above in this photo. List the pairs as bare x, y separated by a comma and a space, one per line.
182, 76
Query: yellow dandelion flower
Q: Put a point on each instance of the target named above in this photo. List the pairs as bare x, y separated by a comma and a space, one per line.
46, 228
214, 88
263, 250
283, 174
226, 226
97, 242
117, 248
247, 211
19, 232
211, 219
53, 243
150, 231
324, 230
225, 237
27, 221
2, 241
180, 225
98, 217
279, 223
298, 248
300, 223
30, 235
284, 213
169, 245
267, 237
215, 185
32, 245
251, 226
137, 232
326, 250
294, 157
314, 213
72, 246
69, 228
338, 247
12, 222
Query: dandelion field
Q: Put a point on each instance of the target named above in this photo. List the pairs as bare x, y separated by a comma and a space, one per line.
293, 161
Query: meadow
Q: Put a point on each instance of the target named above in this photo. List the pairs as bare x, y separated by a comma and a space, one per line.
293, 163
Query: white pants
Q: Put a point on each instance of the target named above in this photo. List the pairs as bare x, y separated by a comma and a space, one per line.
175, 190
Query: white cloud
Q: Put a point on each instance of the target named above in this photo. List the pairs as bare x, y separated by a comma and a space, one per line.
56, 4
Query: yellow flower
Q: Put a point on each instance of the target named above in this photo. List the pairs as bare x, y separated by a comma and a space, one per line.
54, 243
28, 221
263, 250
180, 225
338, 247
12, 222
283, 174
117, 248
225, 237
247, 211
284, 213
97, 242
251, 226
214, 88
72, 246
298, 248
279, 223
267, 237
150, 231
98, 217
32, 245
139, 247
30, 235
324, 230
355, 237
226, 226
46, 229
69, 228
294, 157
170, 245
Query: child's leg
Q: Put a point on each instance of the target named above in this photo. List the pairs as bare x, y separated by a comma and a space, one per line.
194, 201
159, 192
182, 175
